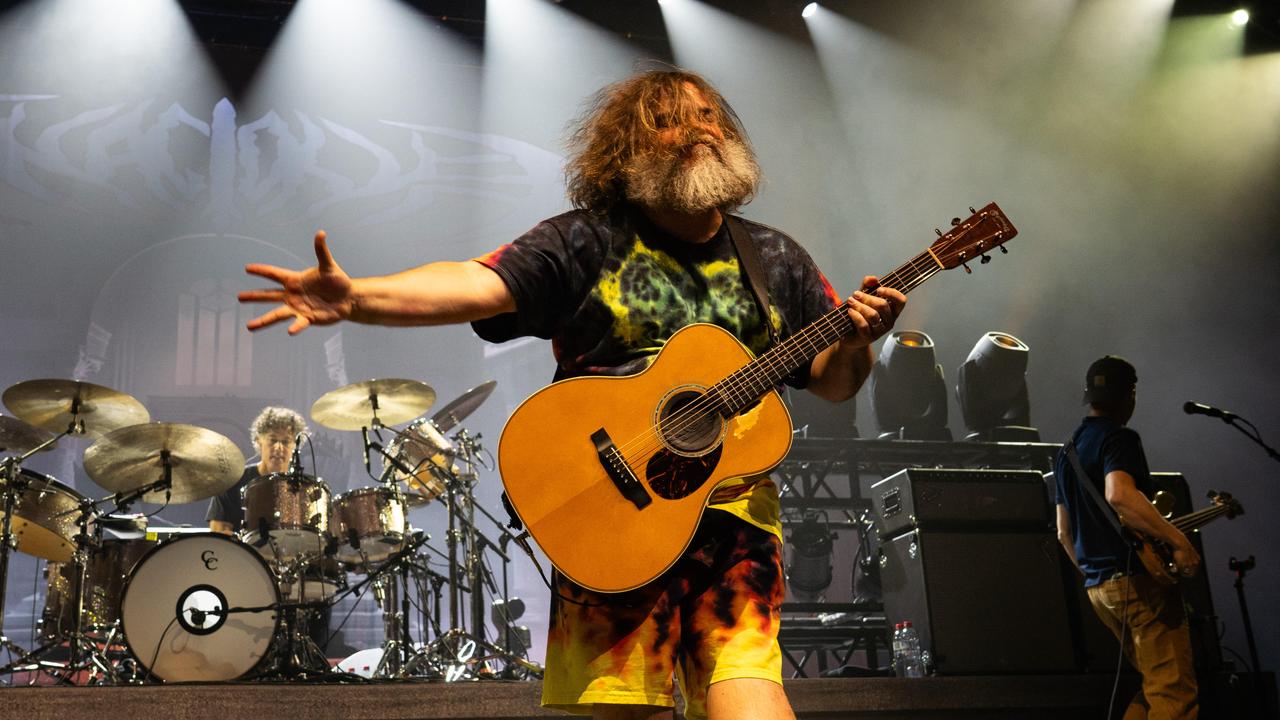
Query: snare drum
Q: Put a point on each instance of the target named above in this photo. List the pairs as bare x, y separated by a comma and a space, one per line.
293, 512
106, 573
425, 450
369, 525
321, 580
44, 517
169, 609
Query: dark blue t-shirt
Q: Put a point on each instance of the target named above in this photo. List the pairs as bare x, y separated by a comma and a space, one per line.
1104, 445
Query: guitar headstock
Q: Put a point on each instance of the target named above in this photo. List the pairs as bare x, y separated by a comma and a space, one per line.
1224, 499
972, 238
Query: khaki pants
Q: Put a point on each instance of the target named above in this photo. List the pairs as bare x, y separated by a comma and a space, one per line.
1150, 622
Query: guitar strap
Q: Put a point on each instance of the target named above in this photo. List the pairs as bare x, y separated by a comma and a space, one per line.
750, 259
1082, 478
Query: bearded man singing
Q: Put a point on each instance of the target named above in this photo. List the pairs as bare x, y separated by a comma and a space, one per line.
657, 163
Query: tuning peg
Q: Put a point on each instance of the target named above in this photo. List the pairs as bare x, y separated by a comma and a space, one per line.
985, 259
955, 221
938, 231
1004, 250
967, 271
972, 211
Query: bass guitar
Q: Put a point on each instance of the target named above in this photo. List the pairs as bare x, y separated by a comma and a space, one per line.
1157, 557
611, 475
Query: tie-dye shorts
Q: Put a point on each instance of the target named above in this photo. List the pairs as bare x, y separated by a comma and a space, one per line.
713, 616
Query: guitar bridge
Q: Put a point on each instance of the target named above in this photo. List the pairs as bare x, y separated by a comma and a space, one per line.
619, 472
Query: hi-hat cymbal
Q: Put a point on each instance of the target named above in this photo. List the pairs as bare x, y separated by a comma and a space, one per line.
466, 403
354, 406
49, 404
204, 462
18, 437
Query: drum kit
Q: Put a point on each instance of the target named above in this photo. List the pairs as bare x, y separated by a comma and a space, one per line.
129, 603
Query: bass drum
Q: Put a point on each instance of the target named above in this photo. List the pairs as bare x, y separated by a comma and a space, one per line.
170, 610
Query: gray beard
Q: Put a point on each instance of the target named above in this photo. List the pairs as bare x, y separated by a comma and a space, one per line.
720, 180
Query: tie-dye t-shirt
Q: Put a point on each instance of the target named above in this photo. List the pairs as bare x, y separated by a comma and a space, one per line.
608, 292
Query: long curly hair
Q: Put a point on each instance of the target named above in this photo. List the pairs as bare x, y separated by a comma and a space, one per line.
622, 120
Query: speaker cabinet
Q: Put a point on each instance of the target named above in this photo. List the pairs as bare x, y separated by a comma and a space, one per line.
982, 601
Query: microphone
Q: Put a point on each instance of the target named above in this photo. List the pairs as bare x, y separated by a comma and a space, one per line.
364, 432
295, 463
1195, 408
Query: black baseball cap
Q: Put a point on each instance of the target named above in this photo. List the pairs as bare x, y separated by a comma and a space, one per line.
1109, 378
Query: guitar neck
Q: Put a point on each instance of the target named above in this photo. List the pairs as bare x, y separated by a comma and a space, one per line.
744, 387
1200, 518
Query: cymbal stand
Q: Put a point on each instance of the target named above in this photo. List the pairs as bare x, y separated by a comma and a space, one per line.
15, 483
85, 654
456, 650
384, 583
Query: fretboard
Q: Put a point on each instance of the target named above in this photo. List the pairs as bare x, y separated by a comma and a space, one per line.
1200, 518
741, 389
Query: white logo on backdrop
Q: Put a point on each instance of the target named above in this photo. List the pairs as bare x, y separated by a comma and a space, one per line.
274, 168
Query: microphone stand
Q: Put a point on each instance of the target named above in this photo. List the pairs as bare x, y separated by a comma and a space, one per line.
1254, 435
1240, 568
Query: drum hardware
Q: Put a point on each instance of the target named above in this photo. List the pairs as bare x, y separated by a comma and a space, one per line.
389, 581
456, 652
85, 653
67, 407
15, 484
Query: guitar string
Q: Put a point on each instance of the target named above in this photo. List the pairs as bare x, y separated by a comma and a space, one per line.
746, 380
777, 358
695, 412
1192, 520
737, 383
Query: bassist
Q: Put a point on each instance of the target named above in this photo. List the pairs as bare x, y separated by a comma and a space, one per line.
1147, 618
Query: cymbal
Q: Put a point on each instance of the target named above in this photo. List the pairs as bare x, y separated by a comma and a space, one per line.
352, 407
18, 437
204, 462
466, 403
47, 404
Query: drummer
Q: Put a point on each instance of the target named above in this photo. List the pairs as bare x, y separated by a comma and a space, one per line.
274, 432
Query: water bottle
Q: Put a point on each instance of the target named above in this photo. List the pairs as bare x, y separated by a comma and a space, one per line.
912, 664
898, 649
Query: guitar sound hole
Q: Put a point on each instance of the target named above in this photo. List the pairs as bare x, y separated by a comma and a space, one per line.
689, 427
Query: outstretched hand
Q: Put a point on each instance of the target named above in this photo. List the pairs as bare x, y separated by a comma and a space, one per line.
321, 295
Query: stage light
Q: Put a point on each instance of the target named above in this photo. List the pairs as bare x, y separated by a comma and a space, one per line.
908, 392
992, 390
809, 10
809, 565
1240, 17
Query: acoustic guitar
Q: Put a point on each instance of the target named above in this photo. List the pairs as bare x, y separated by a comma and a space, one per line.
611, 475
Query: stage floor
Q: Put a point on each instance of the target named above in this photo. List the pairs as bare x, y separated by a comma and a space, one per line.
1039, 697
